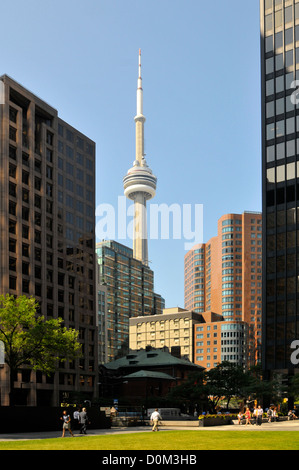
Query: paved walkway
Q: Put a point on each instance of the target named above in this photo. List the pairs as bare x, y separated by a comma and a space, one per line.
282, 426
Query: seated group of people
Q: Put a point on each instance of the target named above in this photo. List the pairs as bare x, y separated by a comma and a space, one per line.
257, 415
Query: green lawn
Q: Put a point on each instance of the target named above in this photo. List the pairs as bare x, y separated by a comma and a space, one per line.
167, 440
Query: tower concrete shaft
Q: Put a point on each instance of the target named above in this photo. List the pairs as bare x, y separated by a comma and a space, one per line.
140, 243
140, 183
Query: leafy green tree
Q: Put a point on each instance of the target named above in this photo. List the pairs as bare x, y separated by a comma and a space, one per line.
262, 389
30, 339
226, 380
192, 391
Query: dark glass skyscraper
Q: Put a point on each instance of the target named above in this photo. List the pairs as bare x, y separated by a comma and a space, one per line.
130, 293
47, 235
280, 176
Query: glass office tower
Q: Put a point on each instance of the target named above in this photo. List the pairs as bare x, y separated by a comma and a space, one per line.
47, 235
129, 293
280, 164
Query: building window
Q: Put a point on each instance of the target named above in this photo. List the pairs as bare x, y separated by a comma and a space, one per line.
12, 134
12, 282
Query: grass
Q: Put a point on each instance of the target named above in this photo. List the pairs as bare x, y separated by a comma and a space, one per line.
167, 440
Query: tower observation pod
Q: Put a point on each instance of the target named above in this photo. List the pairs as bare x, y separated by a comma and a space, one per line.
140, 183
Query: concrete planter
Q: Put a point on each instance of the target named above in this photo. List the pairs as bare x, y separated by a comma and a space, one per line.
215, 421
19, 419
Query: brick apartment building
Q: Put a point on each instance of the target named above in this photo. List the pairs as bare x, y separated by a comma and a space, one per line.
224, 276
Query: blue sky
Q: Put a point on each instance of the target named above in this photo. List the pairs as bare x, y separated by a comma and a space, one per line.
201, 81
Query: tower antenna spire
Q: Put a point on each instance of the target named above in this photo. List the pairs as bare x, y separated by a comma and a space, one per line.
139, 89
139, 62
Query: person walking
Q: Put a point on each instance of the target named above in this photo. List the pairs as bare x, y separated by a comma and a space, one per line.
76, 418
66, 423
269, 415
155, 417
83, 420
247, 416
259, 415
254, 414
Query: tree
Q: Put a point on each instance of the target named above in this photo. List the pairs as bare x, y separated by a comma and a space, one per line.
209, 388
227, 380
263, 390
30, 339
191, 392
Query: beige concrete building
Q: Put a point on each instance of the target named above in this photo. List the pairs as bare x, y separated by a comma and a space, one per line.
173, 329
205, 339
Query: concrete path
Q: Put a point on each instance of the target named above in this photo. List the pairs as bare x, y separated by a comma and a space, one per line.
283, 426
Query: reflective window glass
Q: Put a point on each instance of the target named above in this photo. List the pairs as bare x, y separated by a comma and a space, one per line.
289, 80
270, 154
271, 175
268, 22
290, 148
269, 44
288, 37
291, 239
281, 241
280, 151
269, 87
289, 105
280, 218
289, 59
291, 171
270, 242
278, 40
280, 174
271, 220
280, 106
288, 14
290, 125
279, 84
278, 19
270, 109
291, 216
271, 131
279, 64
269, 65
280, 129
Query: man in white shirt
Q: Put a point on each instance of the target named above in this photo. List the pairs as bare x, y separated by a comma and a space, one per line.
155, 417
76, 419
259, 415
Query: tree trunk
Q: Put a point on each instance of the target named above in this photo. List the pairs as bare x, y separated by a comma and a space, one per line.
12, 400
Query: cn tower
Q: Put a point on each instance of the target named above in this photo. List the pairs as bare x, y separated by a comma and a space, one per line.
140, 183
